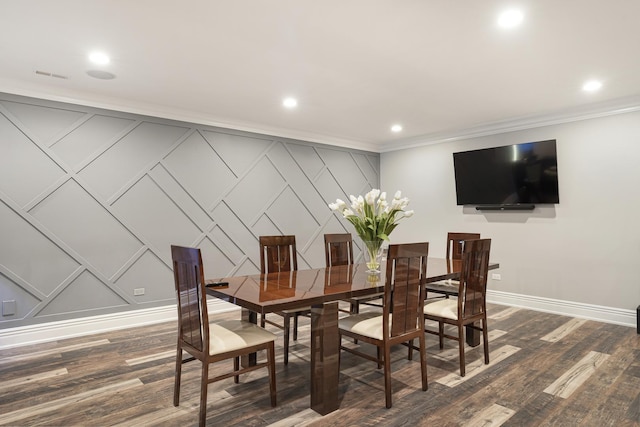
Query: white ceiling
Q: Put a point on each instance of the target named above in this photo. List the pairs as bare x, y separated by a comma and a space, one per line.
439, 67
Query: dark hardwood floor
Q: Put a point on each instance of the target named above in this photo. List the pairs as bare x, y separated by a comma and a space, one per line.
545, 370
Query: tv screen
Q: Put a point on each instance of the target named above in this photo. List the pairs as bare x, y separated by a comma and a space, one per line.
510, 175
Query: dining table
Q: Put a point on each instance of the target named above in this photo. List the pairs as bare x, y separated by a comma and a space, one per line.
321, 289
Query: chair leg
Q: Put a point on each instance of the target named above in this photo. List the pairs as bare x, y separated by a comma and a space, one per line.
423, 361
485, 336
204, 382
236, 366
287, 324
387, 375
295, 326
441, 334
355, 307
410, 355
271, 360
461, 349
262, 320
176, 385
379, 354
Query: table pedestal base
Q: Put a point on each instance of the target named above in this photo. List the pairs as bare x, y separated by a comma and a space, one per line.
325, 361
472, 335
251, 359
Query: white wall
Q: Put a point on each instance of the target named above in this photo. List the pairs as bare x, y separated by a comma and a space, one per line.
583, 251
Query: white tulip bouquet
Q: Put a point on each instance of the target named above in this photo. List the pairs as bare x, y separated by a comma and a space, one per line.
374, 218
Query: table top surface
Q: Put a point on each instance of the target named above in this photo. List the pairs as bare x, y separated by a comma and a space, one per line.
265, 293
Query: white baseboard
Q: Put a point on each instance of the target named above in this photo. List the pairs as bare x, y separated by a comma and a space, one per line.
53, 331
599, 313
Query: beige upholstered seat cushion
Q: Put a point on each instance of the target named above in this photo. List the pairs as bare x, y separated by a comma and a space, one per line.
448, 282
367, 324
449, 285
447, 308
229, 335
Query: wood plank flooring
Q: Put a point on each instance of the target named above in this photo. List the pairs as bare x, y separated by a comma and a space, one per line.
545, 370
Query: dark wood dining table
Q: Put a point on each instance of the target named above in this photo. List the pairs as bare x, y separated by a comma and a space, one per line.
321, 289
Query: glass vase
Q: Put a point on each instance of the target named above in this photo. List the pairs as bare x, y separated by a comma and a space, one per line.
373, 255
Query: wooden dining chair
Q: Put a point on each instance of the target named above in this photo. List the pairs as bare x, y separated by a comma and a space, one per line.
278, 254
338, 250
471, 305
211, 342
455, 245
405, 276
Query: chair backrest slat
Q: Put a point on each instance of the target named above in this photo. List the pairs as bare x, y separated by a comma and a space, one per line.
405, 277
338, 249
455, 243
278, 253
473, 277
192, 308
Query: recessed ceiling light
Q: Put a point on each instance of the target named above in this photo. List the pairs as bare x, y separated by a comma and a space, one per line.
396, 128
290, 102
510, 18
101, 74
99, 58
592, 85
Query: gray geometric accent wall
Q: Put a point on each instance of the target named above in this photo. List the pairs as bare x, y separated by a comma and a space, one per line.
91, 200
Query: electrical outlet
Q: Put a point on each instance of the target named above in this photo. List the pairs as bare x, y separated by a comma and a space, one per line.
9, 308
496, 276
138, 291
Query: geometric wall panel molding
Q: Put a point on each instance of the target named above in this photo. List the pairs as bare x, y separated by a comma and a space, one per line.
129, 156
42, 122
25, 301
308, 159
288, 213
329, 188
299, 180
199, 168
250, 204
243, 236
175, 190
91, 200
216, 262
83, 295
369, 170
150, 273
247, 267
147, 210
84, 142
73, 216
32, 257
229, 248
346, 171
25, 171
239, 152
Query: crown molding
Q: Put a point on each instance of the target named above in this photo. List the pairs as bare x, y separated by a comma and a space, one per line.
591, 111
585, 112
164, 112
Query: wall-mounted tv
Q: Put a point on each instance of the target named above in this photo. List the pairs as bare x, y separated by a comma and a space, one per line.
508, 176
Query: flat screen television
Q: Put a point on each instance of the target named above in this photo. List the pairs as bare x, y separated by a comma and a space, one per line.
511, 175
